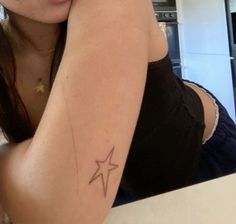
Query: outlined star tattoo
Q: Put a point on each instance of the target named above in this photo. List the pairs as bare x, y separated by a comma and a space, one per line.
103, 170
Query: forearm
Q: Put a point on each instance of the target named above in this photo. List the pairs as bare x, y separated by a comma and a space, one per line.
91, 114
101, 62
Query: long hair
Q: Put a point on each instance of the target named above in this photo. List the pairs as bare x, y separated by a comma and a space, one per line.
14, 118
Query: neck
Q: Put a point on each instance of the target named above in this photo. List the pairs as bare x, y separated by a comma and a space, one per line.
32, 36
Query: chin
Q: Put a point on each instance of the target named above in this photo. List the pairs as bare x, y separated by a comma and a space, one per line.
55, 15
55, 19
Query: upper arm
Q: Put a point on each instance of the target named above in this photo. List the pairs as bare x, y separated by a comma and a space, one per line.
90, 118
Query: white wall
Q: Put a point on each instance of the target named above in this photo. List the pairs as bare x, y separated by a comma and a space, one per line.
205, 47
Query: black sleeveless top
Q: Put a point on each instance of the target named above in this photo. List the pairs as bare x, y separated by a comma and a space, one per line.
167, 141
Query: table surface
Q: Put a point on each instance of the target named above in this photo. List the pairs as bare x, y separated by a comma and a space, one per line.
211, 202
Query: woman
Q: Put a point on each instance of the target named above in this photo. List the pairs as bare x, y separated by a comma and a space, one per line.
101, 124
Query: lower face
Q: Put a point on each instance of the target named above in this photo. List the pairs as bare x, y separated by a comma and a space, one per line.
45, 11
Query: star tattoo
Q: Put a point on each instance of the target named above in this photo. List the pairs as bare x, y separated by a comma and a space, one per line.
103, 170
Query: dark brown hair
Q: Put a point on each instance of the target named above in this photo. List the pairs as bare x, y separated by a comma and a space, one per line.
14, 119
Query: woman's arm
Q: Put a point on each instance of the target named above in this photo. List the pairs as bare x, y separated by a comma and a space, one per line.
71, 170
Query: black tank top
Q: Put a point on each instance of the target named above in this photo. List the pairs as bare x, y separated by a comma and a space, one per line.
167, 141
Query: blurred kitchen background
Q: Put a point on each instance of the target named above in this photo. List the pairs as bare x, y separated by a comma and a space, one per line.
202, 43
